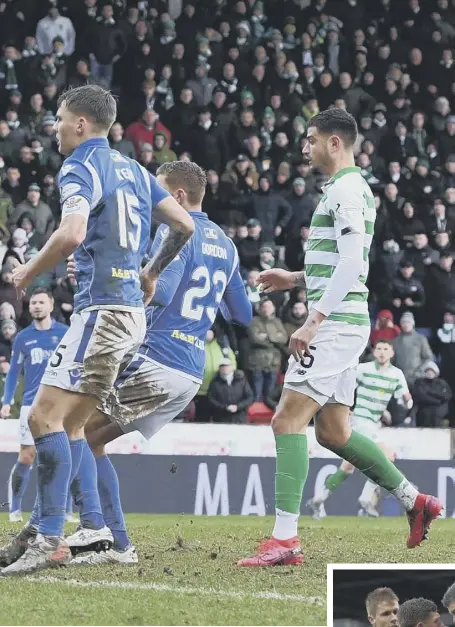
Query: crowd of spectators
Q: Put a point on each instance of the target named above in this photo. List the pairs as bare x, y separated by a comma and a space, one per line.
232, 85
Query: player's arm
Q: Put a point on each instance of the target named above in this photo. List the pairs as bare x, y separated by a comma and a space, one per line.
76, 198
235, 306
12, 377
166, 210
402, 393
169, 280
350, 234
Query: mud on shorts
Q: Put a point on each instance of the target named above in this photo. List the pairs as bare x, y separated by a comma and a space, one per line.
328, 374
146, 396
97, 347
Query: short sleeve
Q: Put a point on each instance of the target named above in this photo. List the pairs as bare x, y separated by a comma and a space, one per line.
77, 189
348, 211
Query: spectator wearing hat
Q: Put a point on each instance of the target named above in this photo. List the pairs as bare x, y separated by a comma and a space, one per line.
384, 327
55, 25
271, 209
46, 134
18, 246
41, 212
412, 349
250, 246
117, 141
406, 292
268, 342
432, 394
229, 394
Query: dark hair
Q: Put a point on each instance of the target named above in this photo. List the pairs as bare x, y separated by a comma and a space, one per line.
449, 596
415, 611
378, 596
93, 101
41, 290
188, 176
336, 122
384, 341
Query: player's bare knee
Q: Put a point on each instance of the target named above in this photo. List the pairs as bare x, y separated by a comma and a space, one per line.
27, 455
98, 451
330, 436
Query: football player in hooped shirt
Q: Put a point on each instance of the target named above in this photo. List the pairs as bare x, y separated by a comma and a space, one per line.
167, 371
32, 349
107, 202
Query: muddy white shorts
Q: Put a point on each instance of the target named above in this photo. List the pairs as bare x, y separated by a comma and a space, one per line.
99, 344
147, 395
25, 435
366, 427
328, 374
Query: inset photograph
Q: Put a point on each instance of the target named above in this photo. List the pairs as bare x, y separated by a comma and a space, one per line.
403, 595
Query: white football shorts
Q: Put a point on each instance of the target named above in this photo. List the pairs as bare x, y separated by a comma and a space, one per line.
328, 374
99, 344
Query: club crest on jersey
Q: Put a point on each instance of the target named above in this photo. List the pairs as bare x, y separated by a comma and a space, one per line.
75, 375
55, 339
210, 233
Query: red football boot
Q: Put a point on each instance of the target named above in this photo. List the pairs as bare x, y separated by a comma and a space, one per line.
273, 552
425, 510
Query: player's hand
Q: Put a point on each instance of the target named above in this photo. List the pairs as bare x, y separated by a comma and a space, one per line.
277, 279
299, 343
21, 280
5, 411
386, 417
148, 287
71, 267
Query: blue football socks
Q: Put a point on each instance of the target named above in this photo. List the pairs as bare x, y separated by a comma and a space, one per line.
109, 491
18, 481
54, 471
84, 489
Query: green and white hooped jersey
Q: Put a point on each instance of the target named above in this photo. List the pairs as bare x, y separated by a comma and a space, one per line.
375, 388
347, 205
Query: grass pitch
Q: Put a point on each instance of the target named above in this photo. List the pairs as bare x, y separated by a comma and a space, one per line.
187, 574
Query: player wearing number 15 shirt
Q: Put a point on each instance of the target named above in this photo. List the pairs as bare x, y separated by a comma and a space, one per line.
107, 202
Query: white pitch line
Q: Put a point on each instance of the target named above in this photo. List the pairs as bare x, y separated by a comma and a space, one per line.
159, 587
